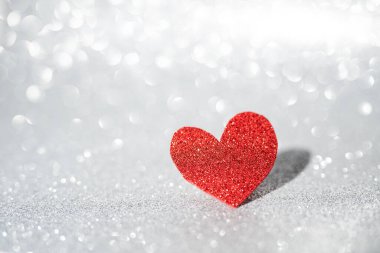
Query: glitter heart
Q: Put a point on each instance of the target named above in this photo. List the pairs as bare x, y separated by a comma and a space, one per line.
232, 168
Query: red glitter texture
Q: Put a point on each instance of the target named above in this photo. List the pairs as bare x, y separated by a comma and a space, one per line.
232, 168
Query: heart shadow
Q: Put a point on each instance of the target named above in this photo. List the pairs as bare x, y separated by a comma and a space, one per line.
289, 164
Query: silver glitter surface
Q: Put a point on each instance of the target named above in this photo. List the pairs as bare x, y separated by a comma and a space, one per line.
91, 92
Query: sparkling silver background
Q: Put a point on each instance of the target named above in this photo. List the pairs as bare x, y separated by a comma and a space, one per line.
91, 92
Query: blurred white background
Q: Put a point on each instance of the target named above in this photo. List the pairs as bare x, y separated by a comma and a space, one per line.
91, 92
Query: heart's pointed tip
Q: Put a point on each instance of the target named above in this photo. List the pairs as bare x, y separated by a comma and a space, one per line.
234, 204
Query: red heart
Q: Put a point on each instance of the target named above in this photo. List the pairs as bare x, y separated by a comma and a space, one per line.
229, 169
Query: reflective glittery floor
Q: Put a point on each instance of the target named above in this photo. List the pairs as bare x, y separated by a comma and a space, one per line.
91, 92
